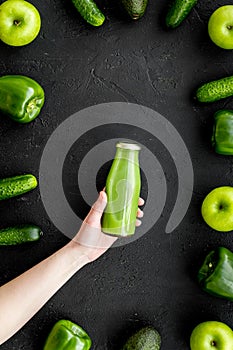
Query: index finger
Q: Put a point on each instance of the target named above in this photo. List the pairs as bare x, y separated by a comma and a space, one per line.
141, 201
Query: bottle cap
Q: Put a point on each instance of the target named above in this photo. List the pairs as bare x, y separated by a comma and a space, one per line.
127, 145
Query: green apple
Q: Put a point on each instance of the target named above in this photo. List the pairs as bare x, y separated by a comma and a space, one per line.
212, 335
19, 22
220, 27
217, 209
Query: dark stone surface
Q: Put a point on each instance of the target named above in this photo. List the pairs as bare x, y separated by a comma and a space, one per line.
153, 280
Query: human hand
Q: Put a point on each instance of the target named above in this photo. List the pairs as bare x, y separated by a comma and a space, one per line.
90, 237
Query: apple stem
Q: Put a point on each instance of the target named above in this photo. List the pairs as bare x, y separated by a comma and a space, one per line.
17, 23
213, 343
229, 27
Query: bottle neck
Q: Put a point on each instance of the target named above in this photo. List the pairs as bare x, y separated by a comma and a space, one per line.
128, 154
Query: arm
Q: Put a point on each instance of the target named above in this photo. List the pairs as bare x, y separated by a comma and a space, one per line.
37, 285
22, 297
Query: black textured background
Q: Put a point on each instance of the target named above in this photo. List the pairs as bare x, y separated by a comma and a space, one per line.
153, 280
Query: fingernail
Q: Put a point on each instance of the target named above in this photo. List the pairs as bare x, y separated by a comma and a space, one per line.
102, 195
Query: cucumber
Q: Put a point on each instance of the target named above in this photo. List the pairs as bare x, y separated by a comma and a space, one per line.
146, 338
215, 90
178, 11
17, 185
19, 234
90, 12
135, 8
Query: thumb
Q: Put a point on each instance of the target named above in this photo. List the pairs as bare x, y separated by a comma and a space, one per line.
96, 212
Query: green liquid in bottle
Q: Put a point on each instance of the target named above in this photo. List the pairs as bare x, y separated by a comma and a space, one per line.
123, 189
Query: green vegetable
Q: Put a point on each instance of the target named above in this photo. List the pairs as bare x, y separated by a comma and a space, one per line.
17, 185
146, 338
135, 8
222, 138
21, 98
215, 90
90, 12
19, 234
178, 11
216, 274
66, 335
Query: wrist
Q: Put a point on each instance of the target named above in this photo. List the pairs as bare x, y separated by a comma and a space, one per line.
78, 253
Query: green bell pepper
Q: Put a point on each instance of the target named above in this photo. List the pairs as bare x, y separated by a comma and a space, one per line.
216, 274
21, 98
222, 138
66, 335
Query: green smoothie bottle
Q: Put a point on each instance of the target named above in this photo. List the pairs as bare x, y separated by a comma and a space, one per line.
123, 189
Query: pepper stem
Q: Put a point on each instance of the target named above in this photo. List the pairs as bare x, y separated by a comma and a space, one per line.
31, 105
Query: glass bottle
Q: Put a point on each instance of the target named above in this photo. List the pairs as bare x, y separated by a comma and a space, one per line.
123, 189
